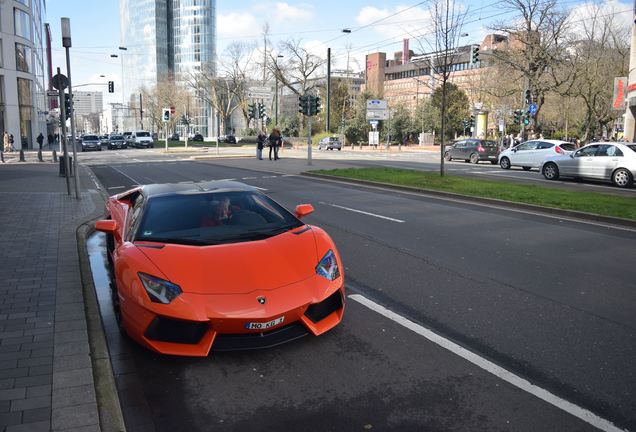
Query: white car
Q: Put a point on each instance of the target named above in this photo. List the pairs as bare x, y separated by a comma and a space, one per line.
142, 139
607, 161
531, 154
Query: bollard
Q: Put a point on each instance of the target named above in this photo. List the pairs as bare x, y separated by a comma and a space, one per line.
54, 156
22, 156
40, 156
2, 156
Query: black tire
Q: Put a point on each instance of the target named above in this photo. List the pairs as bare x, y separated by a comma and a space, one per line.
114, 298
494, 162
526, 168
504, 163
622, 178
474, 158
447, 157
550, 171
340, 149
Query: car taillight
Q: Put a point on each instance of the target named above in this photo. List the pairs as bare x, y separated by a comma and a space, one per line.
481, 149
558, 149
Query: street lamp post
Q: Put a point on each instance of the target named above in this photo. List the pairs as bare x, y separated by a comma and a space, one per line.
123, 94
66, 43
276, 94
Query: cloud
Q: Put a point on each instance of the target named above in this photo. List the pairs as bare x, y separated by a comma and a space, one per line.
615, 13
394, 25
285, 12
237, 25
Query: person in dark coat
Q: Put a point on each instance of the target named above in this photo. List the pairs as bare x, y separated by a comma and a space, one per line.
275, 141
40, 140
260, 143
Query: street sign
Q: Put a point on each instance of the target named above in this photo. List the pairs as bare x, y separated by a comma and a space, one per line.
373, 123
52, 93
532, 109
375, 104
259, 93
377, 114
374, 138
501, 125
60, 81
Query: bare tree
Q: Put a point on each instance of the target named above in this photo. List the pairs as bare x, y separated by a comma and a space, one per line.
536, 48
166, 93
600, 50
296, 70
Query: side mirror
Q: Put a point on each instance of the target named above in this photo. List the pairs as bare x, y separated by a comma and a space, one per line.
571, 155
303, 210
108, 226
514, 149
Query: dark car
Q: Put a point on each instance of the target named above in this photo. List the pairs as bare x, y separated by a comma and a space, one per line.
91, 142
330, 143
473, 150
117, 142
197, 137
174, 137
230, 139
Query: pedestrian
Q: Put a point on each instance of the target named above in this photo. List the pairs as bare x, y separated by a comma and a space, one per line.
49, 140
6, 142
274, 142
260, 143
40, 140
11, 148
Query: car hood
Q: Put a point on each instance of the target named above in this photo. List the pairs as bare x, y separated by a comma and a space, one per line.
237, 268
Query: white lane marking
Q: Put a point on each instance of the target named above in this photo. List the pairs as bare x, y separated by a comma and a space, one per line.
249, 178
117, 187
259, 188
521, 383
227, 179
125, 175
363, 212
269, 177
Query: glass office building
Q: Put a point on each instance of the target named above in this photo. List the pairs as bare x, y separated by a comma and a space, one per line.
23, 111
166, 39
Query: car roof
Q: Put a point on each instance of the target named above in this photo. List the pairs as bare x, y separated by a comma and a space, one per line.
551, 141
163, 189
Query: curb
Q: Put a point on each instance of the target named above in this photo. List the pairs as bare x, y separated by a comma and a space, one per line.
591, 217
111, 418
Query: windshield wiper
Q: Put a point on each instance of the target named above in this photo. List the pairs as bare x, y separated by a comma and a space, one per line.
181, 241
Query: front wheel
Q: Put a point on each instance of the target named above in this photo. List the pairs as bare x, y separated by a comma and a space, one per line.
550, 171
504, 163
622, 178
447, 156
474, 158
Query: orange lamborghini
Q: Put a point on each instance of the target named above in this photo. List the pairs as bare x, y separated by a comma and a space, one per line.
218, 265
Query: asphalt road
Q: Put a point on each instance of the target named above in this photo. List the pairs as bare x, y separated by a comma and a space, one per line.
550, 300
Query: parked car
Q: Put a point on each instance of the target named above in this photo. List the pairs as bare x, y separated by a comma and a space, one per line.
531, 154
197, 137
174, 137
91, 142
473, 150
330, 143
117, 142
104, 139
142, 139
128, 138
189, 274
230, 139
611, 162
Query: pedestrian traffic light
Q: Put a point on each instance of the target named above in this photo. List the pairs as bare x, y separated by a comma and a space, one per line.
303, 104
526, 120
528, 97
261, 110
111, 86
67, 105
474, 54
165, 115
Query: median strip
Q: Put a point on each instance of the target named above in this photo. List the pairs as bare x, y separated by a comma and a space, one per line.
593, 203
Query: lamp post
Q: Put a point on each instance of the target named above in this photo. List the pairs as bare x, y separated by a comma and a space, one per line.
66, 43
276, 94
123, 94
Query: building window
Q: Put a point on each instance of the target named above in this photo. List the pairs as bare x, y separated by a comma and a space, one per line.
24, 2
25, 106
22, 22
23, 58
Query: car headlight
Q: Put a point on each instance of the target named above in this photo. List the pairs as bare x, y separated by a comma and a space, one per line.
328, 266
159, 290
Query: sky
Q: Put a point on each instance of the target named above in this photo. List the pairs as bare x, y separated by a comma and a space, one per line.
375, 26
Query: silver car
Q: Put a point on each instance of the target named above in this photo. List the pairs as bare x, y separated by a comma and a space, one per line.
531, 154
330, 143
607, 161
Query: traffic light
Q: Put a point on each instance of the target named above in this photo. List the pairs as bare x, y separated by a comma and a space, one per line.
471, 122
251, 110
261, 110
527, 97
303, 105
166, 115
474, 54
517, 116
67, 105
111, 86
526, 120
314, 105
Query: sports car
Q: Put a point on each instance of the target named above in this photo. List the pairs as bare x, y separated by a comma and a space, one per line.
218, 265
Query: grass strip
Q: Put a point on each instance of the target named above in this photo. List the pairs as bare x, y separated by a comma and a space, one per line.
589, 202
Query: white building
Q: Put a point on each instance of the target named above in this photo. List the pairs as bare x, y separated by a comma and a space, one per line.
22, 93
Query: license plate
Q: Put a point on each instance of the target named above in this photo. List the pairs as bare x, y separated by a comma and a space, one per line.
264, 325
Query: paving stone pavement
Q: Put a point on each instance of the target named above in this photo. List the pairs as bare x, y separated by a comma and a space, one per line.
46, 374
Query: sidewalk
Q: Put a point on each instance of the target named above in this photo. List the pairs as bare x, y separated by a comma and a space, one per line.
46, 378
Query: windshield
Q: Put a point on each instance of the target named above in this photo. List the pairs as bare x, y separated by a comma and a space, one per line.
90, 138
632, 147
143, 134
213, 218
490, 144
116, 137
